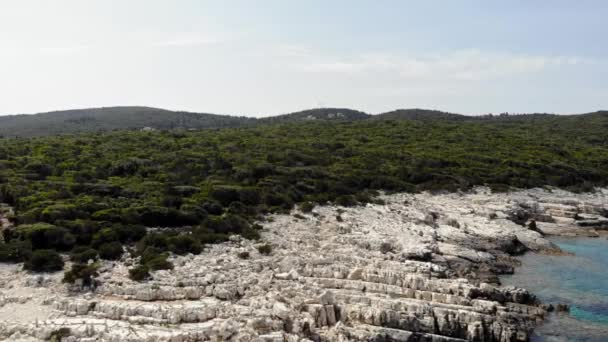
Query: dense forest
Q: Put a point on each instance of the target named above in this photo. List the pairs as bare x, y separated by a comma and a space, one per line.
90, 194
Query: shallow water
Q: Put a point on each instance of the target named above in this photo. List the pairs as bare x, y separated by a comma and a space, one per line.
580, 281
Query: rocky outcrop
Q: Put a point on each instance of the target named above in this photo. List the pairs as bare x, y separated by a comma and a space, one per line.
418, 268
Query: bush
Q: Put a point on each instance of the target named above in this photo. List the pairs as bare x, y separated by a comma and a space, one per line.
106, 235
44, 260
56, 212
228, 224
184, 244
307, 207
139, 273
243, 255
251, 233
250, 196
213, 208
265, 249
46, 236
81, 271
346, 201
150, 253
111, 251
225, 195
205, 236
83, 254
15, 251
83, 230
129, 233
159, 263
157, 240
59, 334
386, 247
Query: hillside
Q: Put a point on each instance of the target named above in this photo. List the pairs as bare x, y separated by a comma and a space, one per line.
419, 114
222, 180
135, 118
111, 118
318, 114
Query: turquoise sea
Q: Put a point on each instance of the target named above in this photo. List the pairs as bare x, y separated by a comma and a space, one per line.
580, 280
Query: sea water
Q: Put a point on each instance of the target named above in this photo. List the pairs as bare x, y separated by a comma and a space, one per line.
580, 280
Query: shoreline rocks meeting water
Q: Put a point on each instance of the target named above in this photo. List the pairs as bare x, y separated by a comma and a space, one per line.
410, 267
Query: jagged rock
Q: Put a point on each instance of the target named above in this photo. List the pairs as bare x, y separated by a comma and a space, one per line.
419, 267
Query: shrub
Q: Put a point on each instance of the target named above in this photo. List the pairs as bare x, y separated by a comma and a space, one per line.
243, 255
265, 249
86, 273
44, 260
386, 247
83, 254
139, 273
106, 235
59, 334
278, 200
150, 253
227, 224
307, 207
250, 196
15, 251
159, 263
225, 195
213, 208
129, 233
184, 244
46, 236
83, 230
206, 236
56, 212
41, 170
157, 240
111, 251
346, 200
194, 210
251, 234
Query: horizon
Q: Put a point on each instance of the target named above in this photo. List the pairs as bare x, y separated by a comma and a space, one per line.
467, 57
262, 116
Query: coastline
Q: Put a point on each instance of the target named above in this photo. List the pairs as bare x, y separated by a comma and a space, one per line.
417, 267
576, 280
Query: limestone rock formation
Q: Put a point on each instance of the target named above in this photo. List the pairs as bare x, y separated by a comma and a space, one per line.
420, 267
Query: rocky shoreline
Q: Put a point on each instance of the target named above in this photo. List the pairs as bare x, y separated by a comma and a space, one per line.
416, 267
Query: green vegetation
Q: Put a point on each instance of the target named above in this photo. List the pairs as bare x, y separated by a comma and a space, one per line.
112, 118
60, 334
265, 249
243, 255
91, 194
44, 260
139, 273
86, 273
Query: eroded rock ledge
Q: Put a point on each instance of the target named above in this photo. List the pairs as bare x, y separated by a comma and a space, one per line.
418, 268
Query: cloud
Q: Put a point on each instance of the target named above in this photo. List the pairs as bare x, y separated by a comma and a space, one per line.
461, 65
65, 50
196, 39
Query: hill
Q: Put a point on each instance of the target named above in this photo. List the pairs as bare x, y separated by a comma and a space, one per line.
111, 118
318, 114
135, 118
420, 114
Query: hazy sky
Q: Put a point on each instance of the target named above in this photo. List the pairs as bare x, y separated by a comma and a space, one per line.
270, 57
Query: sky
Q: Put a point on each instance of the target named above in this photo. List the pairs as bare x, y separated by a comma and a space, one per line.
269, 57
